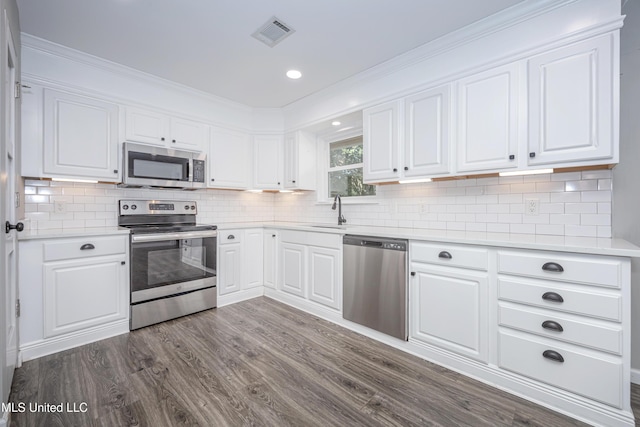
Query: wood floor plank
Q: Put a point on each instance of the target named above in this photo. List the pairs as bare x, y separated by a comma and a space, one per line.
261, 363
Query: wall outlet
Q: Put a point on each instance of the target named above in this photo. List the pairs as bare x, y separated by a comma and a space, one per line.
531, 207
60, 206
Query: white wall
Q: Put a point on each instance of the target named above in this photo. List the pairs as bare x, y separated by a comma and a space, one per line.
626, 176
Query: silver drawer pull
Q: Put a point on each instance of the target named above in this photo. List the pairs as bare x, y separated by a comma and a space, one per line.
553, 267
87, 246
231, 237
445, 255
553, 355
554, 326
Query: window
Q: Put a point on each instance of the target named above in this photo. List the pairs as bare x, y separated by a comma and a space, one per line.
345, 169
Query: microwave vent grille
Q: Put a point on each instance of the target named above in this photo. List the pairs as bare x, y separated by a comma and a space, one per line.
273, 32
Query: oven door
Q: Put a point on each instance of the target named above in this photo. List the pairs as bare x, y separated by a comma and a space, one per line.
166, 264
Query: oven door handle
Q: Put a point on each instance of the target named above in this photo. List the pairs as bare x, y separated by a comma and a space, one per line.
138, 238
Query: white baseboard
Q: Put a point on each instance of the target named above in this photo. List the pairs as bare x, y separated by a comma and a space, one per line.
635, 376
240, 296
36, 349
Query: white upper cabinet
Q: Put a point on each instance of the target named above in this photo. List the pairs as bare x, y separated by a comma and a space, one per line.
229, 159
299, 161
427, 132
381, 139
267, 162
80, 137
572, 103
152, 127
487, 120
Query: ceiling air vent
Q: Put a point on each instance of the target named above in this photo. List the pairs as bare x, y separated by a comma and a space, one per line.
273, 32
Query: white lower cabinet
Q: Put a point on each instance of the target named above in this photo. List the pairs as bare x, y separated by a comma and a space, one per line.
240, 260
270, 258
73, 291
310, 267
448, 305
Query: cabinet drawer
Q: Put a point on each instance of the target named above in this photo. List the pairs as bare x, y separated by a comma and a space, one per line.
88, 247
588, 373
568, 328
451, 255
585, 269
229, 236
562, 297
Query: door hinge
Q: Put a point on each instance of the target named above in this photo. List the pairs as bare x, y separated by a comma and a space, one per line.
18, 308
18, 90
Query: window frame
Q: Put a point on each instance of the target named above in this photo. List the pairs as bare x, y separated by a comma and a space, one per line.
324, 169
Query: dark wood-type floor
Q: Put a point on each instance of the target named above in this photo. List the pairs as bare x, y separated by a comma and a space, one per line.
259, 363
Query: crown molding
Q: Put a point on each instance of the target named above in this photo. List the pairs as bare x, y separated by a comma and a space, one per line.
50, 48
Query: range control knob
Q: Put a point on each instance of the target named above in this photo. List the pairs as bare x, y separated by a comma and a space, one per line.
193, 207
134, 207
186, 207
125, 207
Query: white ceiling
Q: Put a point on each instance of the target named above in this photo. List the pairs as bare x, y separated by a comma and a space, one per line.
207, 44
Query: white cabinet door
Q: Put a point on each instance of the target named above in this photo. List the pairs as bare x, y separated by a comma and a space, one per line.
146, 126
325, 276
293, 267
381, 139
187, 134
487, 125
252, 258
427, 132
267, 174
229, 268
299, 161
447, 309
270, 268
82, 293
229, 159
572, 105
80, 136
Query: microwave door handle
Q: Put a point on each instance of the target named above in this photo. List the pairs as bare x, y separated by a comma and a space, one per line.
190, 169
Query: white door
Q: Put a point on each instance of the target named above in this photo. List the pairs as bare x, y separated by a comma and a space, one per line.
571, 108
252, 258
381, 136
427, 122
325, 276
9, 246
488, 112
230, 274
290, 160
270, 269
267, 173
187, 134
292, 256
146, 126
229, 154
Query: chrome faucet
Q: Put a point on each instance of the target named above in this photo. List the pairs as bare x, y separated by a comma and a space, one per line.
337, 200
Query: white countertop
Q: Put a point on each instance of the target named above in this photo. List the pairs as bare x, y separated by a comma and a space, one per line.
585, 245
55, 233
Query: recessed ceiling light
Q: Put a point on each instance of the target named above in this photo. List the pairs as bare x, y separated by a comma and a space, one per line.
294, 74
336, 123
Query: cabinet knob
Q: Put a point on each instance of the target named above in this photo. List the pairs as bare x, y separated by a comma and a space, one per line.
294, 181
122, 263
413, 273
406, 168
511, 157
553, 267
212, 179
278, 183
273, 235
553, 355
532, 154
162, 138
87, 246
173, 140
395, 169
552, 296
115, 171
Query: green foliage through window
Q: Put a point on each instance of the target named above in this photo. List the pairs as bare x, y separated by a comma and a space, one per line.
345, 169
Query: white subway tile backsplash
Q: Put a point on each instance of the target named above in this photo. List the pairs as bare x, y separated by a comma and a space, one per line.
486, 205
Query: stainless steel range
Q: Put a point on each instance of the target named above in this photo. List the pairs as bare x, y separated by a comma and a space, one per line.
173, 260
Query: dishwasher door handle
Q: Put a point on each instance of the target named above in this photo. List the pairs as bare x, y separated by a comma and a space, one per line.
372, 243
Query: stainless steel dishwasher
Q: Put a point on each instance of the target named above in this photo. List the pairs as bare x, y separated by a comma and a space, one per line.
375, 283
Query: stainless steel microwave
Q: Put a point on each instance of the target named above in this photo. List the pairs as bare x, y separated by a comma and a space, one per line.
146, 165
